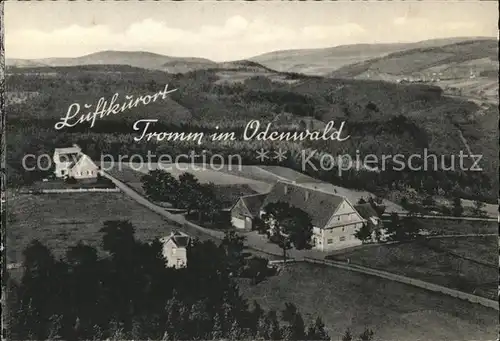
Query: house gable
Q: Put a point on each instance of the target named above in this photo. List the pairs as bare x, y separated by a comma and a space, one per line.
344, 209
83, 166
240, 210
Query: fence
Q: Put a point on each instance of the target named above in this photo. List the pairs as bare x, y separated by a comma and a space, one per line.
411, 281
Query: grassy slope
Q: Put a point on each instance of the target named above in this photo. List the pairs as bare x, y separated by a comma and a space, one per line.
467, 264
393, 310
451, 227
441, 59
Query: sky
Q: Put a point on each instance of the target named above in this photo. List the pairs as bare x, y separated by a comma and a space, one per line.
232, 30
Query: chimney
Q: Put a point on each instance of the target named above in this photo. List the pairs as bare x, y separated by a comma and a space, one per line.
286, 189
307, 195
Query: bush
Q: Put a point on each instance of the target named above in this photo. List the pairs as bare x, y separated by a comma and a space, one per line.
256, 268
71, 180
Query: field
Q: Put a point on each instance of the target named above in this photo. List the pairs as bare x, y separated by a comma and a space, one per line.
447, 227
393, 310
61, 220
206, 175
128, 176
466, 264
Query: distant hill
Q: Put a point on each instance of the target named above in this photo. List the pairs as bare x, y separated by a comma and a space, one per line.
146, 60
446, 59
246, 65
15, 62
325, 60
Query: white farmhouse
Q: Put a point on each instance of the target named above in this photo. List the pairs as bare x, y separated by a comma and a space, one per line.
175, 249
334, 218
72, 163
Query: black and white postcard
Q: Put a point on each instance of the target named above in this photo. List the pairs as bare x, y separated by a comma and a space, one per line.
266, 170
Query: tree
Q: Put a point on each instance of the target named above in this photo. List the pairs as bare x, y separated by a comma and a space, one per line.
233, 245
394, 227
317, 331
478, 209
377, 206
403, 230
189, 192
428, 201
457, 210
288, 314
259, 225
118, 237
297, 327
206, 202
364, 233
161, 186
274, 329
347, 335
235, 332
55, 331
263, 328
367, 335
361, 201
217, 331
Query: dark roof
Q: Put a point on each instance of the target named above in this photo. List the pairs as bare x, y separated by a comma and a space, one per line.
319, 205
254, 203
366, 211
230, 194
179, 239
69, 150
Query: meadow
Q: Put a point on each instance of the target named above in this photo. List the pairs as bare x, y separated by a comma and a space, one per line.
60, 221
467, 264
393, 310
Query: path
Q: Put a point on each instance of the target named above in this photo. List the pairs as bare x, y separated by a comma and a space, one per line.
260, 243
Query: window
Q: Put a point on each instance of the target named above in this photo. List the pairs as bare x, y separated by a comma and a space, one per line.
343, 229
342, 239
330, 241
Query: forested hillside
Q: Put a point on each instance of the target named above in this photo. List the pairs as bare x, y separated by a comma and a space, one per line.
381, 118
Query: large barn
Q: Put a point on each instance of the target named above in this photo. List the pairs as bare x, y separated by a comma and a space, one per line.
335, 220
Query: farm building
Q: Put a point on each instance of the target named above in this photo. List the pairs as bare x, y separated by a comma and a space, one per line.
72, 163
175, 249
335, 220
367, 212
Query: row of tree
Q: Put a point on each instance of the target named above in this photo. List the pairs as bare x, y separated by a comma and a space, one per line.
185, 193
130, 294
456, 210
